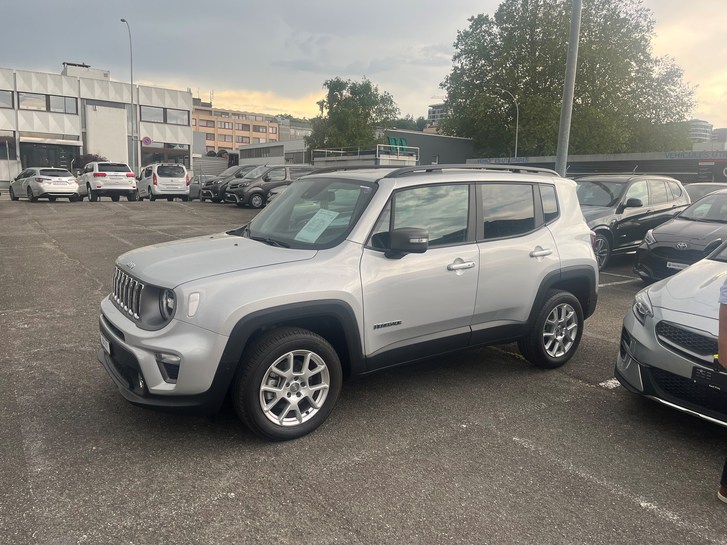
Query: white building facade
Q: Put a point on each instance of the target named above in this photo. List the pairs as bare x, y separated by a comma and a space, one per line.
50, 119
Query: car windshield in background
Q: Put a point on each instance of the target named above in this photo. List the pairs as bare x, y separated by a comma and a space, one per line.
315, 213
711, 208
170, 171
113, 167
55, 173
257, 172
228, 171
599, 193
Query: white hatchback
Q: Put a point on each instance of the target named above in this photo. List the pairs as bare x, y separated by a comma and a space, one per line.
164, 180
46, 183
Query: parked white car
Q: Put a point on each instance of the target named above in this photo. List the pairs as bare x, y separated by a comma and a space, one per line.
44, 183
163, 180
107, 179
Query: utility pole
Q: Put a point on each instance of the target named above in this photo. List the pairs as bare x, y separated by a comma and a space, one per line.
566, 108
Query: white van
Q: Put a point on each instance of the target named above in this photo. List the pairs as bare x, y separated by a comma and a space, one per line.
163, 180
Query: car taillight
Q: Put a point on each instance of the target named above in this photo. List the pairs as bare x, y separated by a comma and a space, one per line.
40, 179
154, 179
99, 174
187, 179
129, 174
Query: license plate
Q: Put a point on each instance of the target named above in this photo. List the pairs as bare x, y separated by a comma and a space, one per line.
677, 266
714, 379
106, 345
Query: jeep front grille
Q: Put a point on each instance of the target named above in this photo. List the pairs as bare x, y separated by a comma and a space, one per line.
127, 293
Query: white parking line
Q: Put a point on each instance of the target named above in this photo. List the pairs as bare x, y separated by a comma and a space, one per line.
619, 282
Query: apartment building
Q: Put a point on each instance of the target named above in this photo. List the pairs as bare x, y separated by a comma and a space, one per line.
218, 129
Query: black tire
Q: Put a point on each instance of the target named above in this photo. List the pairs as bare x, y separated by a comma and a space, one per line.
73, 199
170, 199
273, 349
13, 196
202, 199
256, 200
132, 196
151, 195
115, 198
239, 203
31, 198
602, 248
185, 198
92, 197
216, 199
51, 199
556, 332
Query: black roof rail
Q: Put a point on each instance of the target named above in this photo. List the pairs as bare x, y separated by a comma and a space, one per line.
470, 166
323, 170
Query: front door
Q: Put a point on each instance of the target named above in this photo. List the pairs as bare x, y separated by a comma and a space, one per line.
420, 304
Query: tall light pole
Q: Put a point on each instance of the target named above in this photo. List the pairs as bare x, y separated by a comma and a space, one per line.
133, 111
517, 115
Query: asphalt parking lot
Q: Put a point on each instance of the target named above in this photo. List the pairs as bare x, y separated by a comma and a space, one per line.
476, 448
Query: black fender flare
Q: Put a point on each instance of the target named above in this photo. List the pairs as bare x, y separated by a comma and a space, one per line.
587, 292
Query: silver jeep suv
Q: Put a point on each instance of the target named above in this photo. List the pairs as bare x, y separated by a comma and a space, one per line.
346, 272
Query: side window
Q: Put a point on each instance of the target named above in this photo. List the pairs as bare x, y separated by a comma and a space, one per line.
676, 189
508, 210
638, 190
147, 172
441, 209
657, 188
276, 175
550, 202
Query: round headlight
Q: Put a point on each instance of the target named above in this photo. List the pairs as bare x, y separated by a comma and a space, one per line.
167, 304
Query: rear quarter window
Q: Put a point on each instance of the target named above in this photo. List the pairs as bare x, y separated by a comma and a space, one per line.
550, 203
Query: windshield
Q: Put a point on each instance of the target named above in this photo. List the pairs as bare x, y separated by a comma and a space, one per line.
599, 193
712, 207
55, 173
171, 171
257, 171
311, 213
228, 171
113, 167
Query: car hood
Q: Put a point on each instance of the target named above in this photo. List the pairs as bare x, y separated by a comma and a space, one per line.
699, 233
170, 264
594, 213
693, 291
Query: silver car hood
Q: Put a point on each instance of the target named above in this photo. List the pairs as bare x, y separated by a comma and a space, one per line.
694, 290
170, 264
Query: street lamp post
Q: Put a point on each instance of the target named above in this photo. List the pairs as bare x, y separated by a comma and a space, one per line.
517, 116
133, 111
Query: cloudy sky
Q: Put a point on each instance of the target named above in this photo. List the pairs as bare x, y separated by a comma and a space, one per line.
273, 56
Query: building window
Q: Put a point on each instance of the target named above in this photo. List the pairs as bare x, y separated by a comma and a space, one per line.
152, 113
206, 123
273, 130
259, 140
238, 139
177, 117
245, 139
238, 126
194, 122
7, 145
6, 99
224, 138
64, 105
31, 101
238, 116
259, 128
224, 125
209, 136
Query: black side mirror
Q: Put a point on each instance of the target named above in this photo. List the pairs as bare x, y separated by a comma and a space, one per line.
407, 240
633, 203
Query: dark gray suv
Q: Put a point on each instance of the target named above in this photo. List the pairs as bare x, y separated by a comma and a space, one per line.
252, 189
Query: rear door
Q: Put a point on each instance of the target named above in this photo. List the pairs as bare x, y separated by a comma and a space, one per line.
172, 177
516, 252
115, 175
634, 221
421, 304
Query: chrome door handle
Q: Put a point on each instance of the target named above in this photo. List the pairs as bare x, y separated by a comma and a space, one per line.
460, 266
540, 253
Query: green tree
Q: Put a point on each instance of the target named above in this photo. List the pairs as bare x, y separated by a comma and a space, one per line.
626, 100
350, 114
82, 160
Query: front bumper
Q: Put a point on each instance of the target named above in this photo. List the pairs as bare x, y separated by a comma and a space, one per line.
200, 381
660, 262
649, 367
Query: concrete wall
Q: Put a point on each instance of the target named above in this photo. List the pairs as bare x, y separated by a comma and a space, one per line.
106, 132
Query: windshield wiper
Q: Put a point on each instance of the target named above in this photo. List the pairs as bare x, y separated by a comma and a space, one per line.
242, 231
272, 242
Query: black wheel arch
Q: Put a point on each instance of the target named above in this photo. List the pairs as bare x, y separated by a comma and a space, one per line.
333, 320
581, 281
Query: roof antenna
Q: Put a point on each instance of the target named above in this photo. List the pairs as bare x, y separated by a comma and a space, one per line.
634, 171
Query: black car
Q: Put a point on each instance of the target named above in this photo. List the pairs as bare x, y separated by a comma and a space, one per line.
684, 240
214, 189
700, 189
620, 209
252, 189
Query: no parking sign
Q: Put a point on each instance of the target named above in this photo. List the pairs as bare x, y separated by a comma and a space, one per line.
146, 141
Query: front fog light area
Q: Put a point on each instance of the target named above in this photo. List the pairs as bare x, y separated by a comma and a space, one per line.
168, 366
